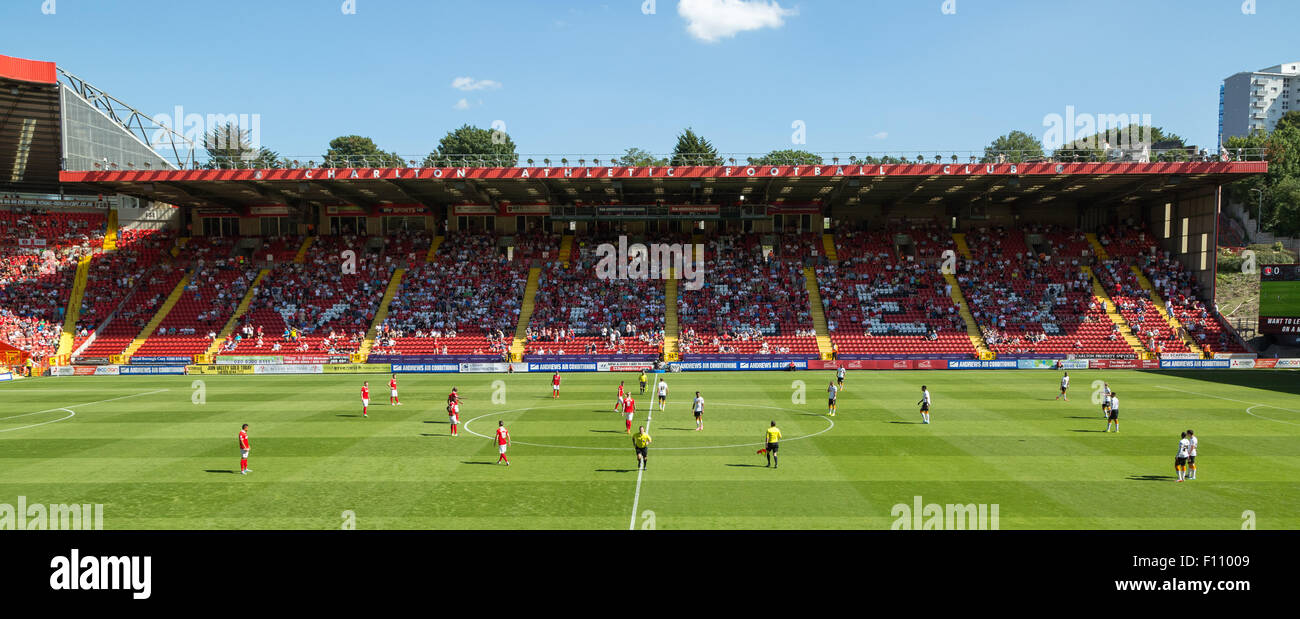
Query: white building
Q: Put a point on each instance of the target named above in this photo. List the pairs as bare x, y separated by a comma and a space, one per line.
1256, 100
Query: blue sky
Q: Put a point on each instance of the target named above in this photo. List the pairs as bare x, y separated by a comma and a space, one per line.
601, 76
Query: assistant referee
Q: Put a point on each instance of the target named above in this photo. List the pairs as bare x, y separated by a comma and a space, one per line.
773, 440
641, 442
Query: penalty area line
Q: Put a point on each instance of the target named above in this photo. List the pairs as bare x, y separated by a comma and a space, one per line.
68, 409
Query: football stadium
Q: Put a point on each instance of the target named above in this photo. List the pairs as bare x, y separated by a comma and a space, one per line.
199, 336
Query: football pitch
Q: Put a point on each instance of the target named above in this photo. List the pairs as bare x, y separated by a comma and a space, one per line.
160, 452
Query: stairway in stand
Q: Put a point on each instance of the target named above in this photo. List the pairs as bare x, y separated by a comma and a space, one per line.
818, 314
828, 245
1112, 312
671, 330
73, 311
381, 314
517, 346
972, 329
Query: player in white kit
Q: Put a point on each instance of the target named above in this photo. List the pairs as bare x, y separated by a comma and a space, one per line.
1065, 384
1191, 455
1180, 460
698, 408
925, 404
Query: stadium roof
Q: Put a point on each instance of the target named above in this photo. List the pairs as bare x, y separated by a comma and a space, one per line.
1023, 184
30, 142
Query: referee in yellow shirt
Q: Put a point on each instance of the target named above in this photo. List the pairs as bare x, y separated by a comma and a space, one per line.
641, 441
773, 440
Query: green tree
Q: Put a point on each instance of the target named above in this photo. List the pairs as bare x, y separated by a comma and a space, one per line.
229, 146
636, 157
1280, 213
1284, 201
1018, 147
354, 151
692, 149
471, 146
1288, 120
788, 157
1091, 147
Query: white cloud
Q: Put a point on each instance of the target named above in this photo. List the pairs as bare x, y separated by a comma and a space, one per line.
469, 84
882, 135
463, 104
712, 20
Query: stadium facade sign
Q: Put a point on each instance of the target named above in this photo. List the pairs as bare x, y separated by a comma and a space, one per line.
1182, 355
621, 172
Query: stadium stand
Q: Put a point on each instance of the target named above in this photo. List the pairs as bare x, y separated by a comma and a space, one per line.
750, 302
1034, 304
886, 294
218, 283
310, 308
39, 251
1178, 288
465, 302
113, 278
578, 313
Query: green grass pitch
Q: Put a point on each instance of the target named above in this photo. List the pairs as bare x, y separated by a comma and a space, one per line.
155, 459
1279, 299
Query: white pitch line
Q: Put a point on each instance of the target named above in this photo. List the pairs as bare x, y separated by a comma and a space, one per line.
1230, 399
1254, 405
636, 498
71, 413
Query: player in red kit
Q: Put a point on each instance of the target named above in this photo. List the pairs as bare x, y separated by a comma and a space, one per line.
618, 404
392, 396
453, 417
365, 399
243, 450
555, 385
629, 411
503, 441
